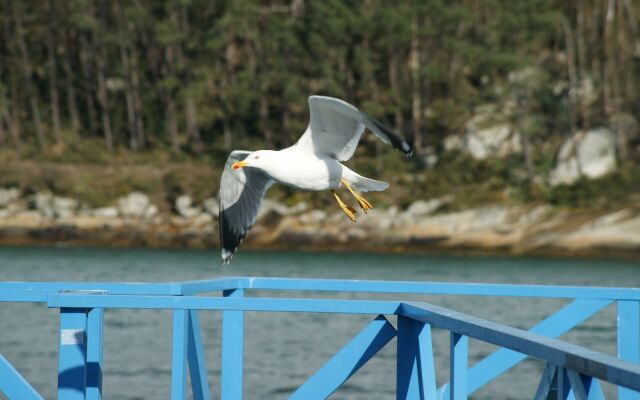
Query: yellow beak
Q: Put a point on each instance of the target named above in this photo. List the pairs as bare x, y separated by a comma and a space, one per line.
239, 164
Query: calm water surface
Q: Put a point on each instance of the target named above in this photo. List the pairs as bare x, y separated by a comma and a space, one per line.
282, 350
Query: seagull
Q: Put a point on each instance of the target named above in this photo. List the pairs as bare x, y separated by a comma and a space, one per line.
312, 164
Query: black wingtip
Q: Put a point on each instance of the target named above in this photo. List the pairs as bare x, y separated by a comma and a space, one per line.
394, 140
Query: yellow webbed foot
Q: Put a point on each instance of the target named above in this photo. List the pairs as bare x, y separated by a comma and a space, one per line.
350, 211
364, 204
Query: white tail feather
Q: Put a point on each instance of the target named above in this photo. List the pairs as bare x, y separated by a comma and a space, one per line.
362, 184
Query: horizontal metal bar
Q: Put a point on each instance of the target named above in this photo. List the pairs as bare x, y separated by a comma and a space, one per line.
38, 291
562, 354
223, 303
445, 288
210, 285
11, 291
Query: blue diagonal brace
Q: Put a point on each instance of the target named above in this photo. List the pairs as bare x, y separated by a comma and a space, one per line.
347, 361
13, 385
553, 326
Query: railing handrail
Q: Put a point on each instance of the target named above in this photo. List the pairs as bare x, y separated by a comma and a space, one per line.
37, 291
437, 288
562, 354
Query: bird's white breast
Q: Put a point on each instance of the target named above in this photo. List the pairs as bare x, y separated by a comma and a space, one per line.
303, 170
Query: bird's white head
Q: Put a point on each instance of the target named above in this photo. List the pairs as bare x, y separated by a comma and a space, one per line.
258, 159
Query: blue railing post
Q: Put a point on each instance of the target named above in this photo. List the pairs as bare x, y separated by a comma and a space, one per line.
178, 354
408, 374
94, 354
415, 369
195, 355
72, 354
628, 340
458, 367
232, 350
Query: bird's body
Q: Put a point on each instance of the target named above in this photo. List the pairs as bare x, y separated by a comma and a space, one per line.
312, 164
296, 168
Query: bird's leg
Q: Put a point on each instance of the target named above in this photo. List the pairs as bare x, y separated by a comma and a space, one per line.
350, 211
364, 204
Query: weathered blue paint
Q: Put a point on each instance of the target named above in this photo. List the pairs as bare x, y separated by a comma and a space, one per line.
232, 353
80, 362
458, 357
195, 356
179, 354
72, 354
347, 361
13, 385
628, 340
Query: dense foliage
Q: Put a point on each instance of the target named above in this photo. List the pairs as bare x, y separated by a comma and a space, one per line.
194, 77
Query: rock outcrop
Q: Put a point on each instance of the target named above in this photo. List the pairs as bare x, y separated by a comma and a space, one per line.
487, 134
136, 205
424, 225
590, 154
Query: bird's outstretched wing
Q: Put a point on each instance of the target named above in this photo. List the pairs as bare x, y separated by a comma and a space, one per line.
241, 193
335, 128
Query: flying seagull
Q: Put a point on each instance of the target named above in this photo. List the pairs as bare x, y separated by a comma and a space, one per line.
313, 163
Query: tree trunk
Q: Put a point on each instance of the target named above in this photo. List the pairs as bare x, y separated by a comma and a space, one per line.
13, 129
103, 98
394, 86
416, 101
571, 69
263, 120
168, 96
53, 76
227, 134
71, 94
131, 113
191, 120
172, 124
137, 104
88, 87
126, 72
28, 76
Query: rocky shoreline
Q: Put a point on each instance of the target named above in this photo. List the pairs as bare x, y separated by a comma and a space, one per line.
45, 219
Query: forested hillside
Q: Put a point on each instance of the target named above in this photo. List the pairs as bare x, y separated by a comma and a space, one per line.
85, 81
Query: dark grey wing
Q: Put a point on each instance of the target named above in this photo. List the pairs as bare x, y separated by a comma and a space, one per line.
241, 193
335, 128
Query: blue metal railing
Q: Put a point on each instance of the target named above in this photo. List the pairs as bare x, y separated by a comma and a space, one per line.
570, 371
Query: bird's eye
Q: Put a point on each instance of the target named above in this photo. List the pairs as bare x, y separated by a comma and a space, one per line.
256, 157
